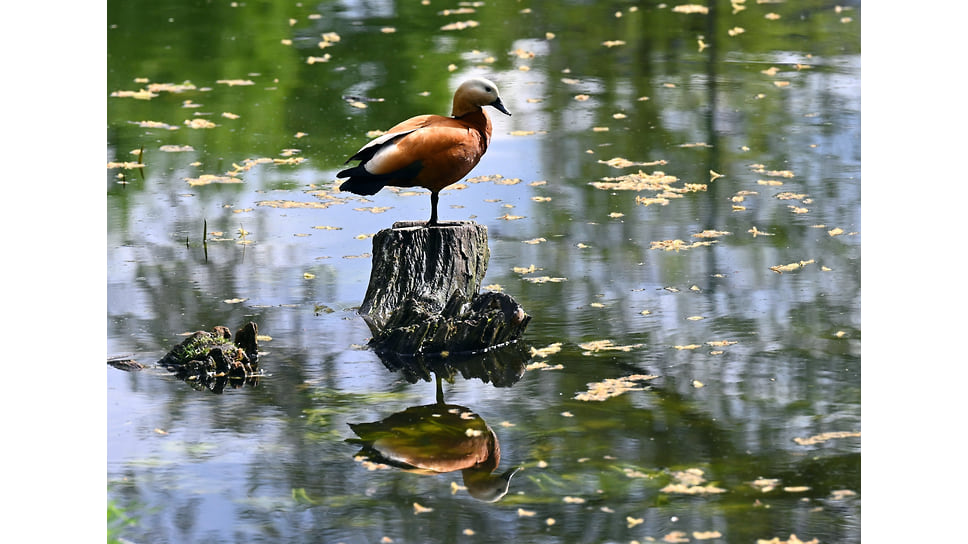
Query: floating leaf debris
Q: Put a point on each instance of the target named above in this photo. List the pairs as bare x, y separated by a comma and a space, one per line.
605, 345
820, 438
613, 387
779, 269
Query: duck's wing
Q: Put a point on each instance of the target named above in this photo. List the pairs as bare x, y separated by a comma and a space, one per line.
367, 151
443, 141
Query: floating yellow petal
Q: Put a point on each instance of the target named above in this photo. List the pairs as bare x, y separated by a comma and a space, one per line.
779, 269
691, 8
676, 537
206, 179
418, 509
756, 232
606, 345
545, 279
176, 148
819, 438
460, 25
619, 162
546, 351
692, 489
155, 124
128, 165
711, 234
677, 245
141, 94
640, 181
235, 82
199, 123
613, 387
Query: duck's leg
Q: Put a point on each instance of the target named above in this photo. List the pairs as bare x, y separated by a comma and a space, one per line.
434, 198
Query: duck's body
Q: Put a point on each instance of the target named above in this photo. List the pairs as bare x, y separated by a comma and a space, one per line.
430, 151
431, 439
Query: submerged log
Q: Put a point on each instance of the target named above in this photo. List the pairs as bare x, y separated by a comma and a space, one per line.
212, 359
423, 295
125, 363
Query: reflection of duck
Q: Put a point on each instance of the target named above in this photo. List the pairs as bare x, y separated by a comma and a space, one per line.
438, 438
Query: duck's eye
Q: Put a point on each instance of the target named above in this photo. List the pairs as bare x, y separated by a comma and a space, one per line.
487, 89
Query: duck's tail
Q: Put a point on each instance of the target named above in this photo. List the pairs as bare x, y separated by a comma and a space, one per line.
362, 182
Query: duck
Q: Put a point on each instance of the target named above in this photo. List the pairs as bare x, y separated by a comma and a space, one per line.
429, 151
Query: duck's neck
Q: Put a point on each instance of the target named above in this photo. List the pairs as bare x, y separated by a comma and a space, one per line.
493, 453
479, 120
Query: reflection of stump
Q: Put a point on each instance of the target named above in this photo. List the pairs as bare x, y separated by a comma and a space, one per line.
423, 299
502, 367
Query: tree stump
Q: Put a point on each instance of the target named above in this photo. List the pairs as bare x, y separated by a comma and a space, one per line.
423, 295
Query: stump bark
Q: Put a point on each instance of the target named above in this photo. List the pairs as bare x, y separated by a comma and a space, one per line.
423, 297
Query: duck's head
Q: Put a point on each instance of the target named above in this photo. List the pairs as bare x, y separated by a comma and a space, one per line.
476, 93
485, 486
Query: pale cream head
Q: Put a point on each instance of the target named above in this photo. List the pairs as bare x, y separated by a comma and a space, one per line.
476, 93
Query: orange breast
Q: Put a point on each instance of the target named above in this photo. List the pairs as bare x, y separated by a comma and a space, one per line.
447, 149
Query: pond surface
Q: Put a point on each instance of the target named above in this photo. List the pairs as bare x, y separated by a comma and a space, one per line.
677, 195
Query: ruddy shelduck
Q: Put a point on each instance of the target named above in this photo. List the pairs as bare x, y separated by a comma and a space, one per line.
430, 151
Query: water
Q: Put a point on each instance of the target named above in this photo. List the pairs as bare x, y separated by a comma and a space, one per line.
747, 359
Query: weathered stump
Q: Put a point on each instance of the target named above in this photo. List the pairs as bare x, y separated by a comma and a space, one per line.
423, 297
423, 265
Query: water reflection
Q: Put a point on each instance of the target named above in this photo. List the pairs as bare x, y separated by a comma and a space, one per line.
435, 439
502, 366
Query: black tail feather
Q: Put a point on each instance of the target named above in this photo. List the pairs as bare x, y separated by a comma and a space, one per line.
362, 185
362, 182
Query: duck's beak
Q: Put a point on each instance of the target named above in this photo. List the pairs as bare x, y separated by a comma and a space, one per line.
499, 106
